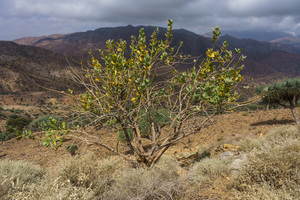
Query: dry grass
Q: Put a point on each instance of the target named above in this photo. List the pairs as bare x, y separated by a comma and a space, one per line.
247, 144
271, 171
274, 169
204, 173
86, 178
17, 175
159, 182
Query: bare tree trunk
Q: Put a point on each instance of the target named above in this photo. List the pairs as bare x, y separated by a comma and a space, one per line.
295, 115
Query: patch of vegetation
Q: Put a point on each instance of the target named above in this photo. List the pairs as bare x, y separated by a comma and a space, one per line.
16, 176
285, 93
273, 169
72, 149
14, 116
35, 124
14, 126
247, 144
205, 172
84, 178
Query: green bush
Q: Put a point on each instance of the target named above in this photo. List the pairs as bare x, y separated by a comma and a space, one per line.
36, 122
18, 123
13, 116
14, 126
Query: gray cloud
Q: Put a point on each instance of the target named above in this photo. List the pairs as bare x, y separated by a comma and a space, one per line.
20, 18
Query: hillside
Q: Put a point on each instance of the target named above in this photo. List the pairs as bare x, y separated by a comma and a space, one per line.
23, 67
260, 54
291, 40
78, 43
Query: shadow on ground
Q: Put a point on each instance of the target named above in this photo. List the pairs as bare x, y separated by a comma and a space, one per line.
273, 122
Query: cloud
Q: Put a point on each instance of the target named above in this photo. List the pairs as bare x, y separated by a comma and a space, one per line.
41, 17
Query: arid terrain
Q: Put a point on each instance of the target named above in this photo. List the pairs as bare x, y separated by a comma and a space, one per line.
33, 64
225, 129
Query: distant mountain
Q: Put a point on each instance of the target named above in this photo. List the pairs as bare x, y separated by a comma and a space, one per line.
78, 43
266, 60
255, 48
257, 35
291, 40
23, 67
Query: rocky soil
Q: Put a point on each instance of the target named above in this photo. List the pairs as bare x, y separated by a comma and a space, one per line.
225, 129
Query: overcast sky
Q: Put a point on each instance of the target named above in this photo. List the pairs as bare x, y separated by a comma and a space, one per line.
19, 18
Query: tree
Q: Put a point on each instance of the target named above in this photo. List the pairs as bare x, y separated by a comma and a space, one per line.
128, 89
285, 93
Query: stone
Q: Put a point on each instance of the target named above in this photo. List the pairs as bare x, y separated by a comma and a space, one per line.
226, 154
187, 158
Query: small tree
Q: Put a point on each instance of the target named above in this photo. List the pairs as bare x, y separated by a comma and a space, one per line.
126, 87
285, 93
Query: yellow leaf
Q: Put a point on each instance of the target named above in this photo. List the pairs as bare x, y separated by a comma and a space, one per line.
210, 54
136, 93
133, 99
115, 72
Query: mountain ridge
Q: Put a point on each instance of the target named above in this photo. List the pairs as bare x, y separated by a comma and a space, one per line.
266, 60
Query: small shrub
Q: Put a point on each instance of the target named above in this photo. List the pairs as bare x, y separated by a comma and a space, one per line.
35, 123
18, 123
265, 192
78, 178
85, 172
14, 126
18, 111
17, 175
203, 151
275, 165
13, 116
247, 144
160, 182
278, 166
206, 171
72, 149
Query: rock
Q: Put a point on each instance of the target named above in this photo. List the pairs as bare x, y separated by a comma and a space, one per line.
226, 154
226, 147
187, 158
238, 163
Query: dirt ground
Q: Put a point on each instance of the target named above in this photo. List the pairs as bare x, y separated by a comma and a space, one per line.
226, 128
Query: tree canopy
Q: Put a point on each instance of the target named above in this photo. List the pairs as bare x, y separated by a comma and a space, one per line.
285, 93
